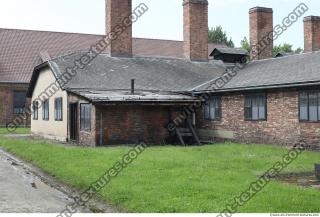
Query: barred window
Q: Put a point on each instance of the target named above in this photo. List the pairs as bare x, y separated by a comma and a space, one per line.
309, 105
212, 110
255, 107
58, 109
45, 110
19, 102
35, 110
85, 117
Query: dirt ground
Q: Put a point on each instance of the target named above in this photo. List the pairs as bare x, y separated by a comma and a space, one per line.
307, 180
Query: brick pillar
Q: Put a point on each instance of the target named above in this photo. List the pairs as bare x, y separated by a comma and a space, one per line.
311, 33
195, 23
116, 12
261, 33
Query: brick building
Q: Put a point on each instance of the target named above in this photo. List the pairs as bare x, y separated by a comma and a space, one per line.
267, 100
22, 50
270, 100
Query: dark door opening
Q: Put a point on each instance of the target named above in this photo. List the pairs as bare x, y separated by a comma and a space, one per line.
73, 107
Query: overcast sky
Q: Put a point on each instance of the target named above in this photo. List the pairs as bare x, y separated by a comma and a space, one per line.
163, 20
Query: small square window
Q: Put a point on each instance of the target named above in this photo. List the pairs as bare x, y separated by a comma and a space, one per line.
19, 102
45, 110
309, 106
85, 117
255, 107
212, 109
58, 109
35, 110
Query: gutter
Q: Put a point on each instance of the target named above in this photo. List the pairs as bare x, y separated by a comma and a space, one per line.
262, 87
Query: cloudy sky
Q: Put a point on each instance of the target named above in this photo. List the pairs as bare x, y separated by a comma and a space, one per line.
163, 20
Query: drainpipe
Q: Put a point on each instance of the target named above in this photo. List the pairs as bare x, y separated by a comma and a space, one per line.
193, 113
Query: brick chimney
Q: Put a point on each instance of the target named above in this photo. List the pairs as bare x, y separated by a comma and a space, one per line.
195, 23
116, 12
261, 33
311, 33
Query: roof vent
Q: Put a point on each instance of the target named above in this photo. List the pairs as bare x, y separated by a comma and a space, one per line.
230, 55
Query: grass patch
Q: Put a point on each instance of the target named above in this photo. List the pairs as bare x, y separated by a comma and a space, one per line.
4, 131
175, 179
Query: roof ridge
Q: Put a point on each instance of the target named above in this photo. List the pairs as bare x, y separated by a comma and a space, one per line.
47, 31
133, 57
159, 39
79, 33
280, 58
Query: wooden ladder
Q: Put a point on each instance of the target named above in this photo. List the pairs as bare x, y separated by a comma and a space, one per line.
187, 133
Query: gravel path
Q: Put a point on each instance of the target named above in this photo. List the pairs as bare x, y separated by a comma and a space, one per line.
24, 189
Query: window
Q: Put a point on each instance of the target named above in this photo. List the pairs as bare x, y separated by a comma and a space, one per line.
19, 102
255, 107
58, 109
45, 110
85, 117
35, 109
309, 105
212, 110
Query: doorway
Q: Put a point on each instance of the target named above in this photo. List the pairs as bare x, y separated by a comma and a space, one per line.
73, 107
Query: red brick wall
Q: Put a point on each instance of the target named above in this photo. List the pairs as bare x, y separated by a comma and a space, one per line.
195, 29
116, 12
261, 25
132, 124
282, 126
311, 33
6, 104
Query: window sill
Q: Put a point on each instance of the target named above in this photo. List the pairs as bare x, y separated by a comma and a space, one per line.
255, 120
310, 122
217, 120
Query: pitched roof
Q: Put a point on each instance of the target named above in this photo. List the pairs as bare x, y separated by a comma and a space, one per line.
289, 71
20, 49
150, 74
113, 75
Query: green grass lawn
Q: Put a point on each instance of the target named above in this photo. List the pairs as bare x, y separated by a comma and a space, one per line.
177, 179
17, 131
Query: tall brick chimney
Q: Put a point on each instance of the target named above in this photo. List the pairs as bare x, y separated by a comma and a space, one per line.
311, 33
116, 12
195, 23
261, 33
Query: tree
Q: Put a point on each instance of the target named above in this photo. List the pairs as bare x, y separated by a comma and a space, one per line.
298, 50
245, 44
217, 35
285, 48
281, 48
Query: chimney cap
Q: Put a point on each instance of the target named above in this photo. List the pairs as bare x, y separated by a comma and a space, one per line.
202, 2
260, 9
311, 18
